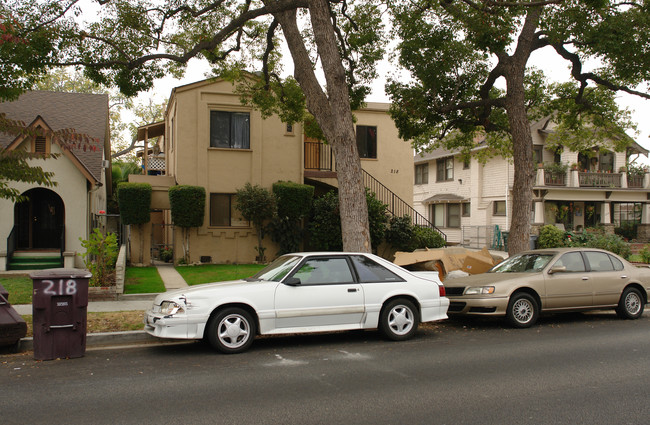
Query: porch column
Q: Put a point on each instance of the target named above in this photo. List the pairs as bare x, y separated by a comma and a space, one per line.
643, 230
605, 217
574, 178
645, 214
538, 218
539, 181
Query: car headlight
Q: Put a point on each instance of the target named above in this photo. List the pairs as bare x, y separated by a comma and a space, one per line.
480, 290
170, 307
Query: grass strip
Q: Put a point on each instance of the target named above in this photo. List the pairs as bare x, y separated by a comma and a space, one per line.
20, 288
104, 322
205, 273
143, 280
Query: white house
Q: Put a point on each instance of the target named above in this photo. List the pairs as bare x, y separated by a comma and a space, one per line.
44, 231
472, 202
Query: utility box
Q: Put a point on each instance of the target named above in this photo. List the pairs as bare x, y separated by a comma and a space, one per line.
59, 309
12, 326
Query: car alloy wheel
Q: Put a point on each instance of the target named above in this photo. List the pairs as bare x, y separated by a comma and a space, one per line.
631, 304
231, 331
399, 320
522, 311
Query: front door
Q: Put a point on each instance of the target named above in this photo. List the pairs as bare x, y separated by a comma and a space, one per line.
39, 220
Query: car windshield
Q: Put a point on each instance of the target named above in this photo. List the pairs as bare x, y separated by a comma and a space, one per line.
523, 263
277, 269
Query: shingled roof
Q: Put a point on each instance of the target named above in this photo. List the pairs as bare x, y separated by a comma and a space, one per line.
85, 113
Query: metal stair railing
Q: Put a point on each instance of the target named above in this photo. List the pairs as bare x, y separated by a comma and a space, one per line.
396, 205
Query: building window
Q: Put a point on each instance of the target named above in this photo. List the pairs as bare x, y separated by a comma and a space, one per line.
467, 207
538, 154
446, 215
445, 169
422, 174
229, 130
453, 215
223, 211
367, 141
499, 208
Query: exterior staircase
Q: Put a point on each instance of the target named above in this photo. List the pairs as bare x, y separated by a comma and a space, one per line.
34, 260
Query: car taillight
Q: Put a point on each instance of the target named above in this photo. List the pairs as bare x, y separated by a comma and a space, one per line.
442, 290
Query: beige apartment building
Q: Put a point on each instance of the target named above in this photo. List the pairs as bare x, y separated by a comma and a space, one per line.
472, 202
209, 139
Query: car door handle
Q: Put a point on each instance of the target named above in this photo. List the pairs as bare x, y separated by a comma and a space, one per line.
585, 278
352, 289
623, 277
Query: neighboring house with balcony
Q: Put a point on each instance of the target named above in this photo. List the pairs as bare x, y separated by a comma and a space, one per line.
472, 202
209, 139
44, 231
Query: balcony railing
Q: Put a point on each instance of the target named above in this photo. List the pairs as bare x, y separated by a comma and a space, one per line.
599, 179
318, 157
555, 179
635, 181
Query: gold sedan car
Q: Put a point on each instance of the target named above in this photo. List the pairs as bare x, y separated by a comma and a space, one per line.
552, 280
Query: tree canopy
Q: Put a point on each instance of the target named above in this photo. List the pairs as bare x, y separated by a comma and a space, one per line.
458, 53
129, 44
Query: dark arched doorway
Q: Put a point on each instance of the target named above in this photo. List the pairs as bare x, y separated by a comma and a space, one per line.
39, 220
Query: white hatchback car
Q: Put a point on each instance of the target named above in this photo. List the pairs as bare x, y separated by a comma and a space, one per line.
299, 293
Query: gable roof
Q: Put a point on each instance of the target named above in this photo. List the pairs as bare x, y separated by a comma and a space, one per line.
86, 113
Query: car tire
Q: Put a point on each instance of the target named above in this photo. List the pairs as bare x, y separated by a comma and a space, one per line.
523, 310
630, 306
231, 330
399, 320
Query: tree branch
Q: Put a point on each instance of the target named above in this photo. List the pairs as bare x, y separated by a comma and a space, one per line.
583, 78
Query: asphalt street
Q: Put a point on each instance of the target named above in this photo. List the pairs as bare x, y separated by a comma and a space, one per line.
579, 369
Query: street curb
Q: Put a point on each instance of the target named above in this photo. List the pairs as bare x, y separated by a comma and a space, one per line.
108, 339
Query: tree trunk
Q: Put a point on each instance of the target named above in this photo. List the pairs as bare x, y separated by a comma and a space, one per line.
522, 140
333, 114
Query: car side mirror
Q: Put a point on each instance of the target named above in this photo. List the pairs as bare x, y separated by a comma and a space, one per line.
292, 281
557, 269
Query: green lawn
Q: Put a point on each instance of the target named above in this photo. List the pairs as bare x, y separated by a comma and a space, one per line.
142, 280
205, 273
19, 287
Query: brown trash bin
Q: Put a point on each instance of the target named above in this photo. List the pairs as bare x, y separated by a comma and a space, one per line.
12, 327
59, 308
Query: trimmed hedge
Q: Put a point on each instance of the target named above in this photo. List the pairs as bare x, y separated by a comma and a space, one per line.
293, 199
134, 200
187, 205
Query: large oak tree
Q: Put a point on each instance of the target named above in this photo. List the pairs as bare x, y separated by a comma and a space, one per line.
130, 43
458, 50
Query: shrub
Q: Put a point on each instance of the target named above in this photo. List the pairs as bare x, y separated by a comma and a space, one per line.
401, 233
428, 238
187, 205
627, 230
325, 225
404, 236
134, 201
294, 200
256, 205
645, 254
100, 257
550, 237
294, 203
